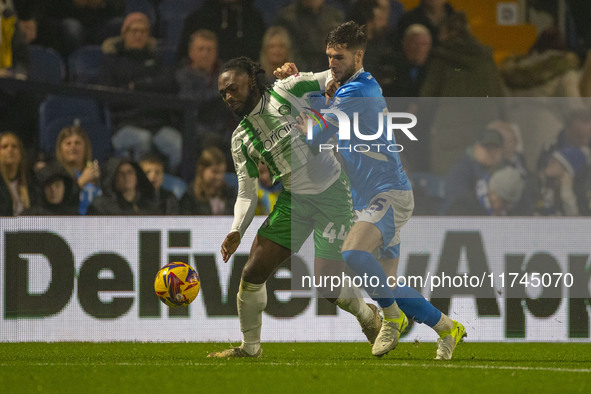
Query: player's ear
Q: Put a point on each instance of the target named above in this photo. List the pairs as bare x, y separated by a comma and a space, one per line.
359, 55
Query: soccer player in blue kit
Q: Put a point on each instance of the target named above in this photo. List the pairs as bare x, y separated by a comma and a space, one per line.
382, 193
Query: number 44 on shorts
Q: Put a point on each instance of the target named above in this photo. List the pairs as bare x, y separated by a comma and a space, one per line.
330, 233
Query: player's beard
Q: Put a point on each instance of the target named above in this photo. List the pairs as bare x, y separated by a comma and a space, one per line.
348, 73
249, 104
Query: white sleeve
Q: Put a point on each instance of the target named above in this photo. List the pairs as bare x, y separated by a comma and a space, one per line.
323, 78
245, 206
299, 84
247, 199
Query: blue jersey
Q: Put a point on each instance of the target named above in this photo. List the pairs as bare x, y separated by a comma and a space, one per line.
372, 167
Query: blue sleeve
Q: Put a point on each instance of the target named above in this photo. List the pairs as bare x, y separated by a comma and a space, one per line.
346, 99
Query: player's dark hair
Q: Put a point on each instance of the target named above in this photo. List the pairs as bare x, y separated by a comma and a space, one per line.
348, 34
253, 69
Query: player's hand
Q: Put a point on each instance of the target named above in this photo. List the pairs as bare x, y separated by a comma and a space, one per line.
230, 245
288, 69
331, 88
302, 123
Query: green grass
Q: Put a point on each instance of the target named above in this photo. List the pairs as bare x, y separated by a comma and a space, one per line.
293, 367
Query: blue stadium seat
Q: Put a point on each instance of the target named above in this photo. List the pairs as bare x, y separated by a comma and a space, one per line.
85, 63
46, 65
98, 134
167, 54
175, 185
231, 180
171, 19
143, 6
432, 184
269, 10
57, 112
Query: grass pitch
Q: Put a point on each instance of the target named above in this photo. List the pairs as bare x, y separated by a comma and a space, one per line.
293, 367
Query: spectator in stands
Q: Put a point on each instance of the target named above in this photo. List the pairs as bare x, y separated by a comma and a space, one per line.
459, 67
577, 133
57, 194
429, 13
14, 52
198, 80
237, 24
131, 62
379, 53
66, 25
276, 50
25, 10
308, 23
16, 108
562, 187
406, 78
512, 145
126, 191
74, 151
500, 196
209, 194
153, 167
267, 192
410, 63
394, 9
474, 168
16, 193
547, 70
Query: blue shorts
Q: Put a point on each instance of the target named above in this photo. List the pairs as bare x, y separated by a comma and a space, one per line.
389, 211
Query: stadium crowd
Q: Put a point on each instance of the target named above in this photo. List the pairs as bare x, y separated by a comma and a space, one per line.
512, 156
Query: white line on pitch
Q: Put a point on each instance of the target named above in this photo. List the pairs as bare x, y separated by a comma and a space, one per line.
278, 364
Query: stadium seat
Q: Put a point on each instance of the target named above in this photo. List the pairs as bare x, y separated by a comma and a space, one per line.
167, 55
143, 6
175, 185
269, 10
231, 180
98, 133
85, 63
46, 65
171, 19
432, 184
57, 112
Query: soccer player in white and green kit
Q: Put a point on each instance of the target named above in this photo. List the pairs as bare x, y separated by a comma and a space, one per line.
315, 196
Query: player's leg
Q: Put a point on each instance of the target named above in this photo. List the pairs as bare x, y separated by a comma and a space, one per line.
415, 306
348, 297
363, 238
265, 256
270, 248
332, 214
410, 301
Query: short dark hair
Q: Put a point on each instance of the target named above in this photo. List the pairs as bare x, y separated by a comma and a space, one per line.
151, 158
248, 66
349, 34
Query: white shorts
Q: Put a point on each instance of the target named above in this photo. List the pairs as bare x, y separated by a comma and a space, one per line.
389, 211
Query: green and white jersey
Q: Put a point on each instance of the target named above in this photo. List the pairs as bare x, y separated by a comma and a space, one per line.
267, 135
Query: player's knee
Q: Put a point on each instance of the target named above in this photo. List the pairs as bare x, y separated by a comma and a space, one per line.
253, 274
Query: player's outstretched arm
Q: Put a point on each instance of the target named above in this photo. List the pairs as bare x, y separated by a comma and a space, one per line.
230, 245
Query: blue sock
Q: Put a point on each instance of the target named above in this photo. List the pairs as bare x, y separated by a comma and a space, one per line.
414, 305
366, 266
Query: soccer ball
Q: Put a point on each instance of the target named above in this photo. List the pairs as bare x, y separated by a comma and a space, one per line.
177, 284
